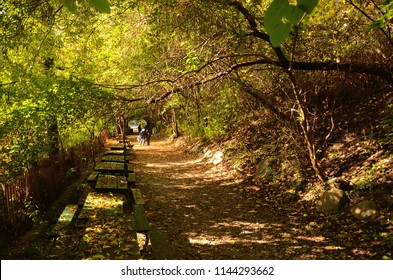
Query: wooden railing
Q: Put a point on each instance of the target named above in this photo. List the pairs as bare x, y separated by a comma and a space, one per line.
23, 198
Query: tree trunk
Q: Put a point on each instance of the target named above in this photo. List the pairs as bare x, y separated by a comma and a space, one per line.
307, 134
310, 141
53, 137
304, 121
175, 127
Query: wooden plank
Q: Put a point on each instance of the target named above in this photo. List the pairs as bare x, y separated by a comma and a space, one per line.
137, 196
68, 213
93, 176
110, 167
111, 182
130, 168
114, 158
141, 222
102, 181
131, 178
110, 233
100, 184
118, 147
97, 204
64, 220
160, 247
115, 152
122, 183
127, 142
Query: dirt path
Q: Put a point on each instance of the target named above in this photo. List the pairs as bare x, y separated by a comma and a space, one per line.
206, 212
203, 213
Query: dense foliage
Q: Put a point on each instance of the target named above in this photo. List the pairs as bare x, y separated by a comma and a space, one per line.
296, 95
276, 74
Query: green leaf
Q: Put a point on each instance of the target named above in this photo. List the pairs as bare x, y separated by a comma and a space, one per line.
307, 5
274, 14
281, 15
279, 18
70, 4
101, 5
279, 33
294, 14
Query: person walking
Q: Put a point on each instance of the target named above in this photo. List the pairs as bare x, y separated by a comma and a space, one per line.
148, 134
143, 137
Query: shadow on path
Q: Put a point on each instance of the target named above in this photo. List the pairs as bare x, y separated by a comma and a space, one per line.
204, 215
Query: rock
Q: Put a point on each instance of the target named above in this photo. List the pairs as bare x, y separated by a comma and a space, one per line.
265, 170
364, 209
339, 183
217, 158
331, 201
207, 153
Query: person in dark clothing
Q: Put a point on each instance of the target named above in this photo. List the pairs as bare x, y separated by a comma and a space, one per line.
143, 137
148, 137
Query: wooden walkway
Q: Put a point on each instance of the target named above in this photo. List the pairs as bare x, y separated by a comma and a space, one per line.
113, 213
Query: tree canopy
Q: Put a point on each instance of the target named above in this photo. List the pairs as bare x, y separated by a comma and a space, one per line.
208, 68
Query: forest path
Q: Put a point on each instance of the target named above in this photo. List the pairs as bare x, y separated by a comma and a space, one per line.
203, 213
207, 212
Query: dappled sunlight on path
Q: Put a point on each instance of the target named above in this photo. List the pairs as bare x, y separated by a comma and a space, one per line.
204, 214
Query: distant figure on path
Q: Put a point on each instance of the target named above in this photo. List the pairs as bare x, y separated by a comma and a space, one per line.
148, 134
143, 135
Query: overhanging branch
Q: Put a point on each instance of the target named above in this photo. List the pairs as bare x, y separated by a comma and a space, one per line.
300, 66
353, 68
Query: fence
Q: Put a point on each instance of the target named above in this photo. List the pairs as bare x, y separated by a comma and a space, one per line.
23, 198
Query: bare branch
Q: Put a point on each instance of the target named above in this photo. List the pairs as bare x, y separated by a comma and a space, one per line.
387, 36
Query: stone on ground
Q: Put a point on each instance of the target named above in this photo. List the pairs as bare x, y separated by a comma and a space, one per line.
364, 209
331, 201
